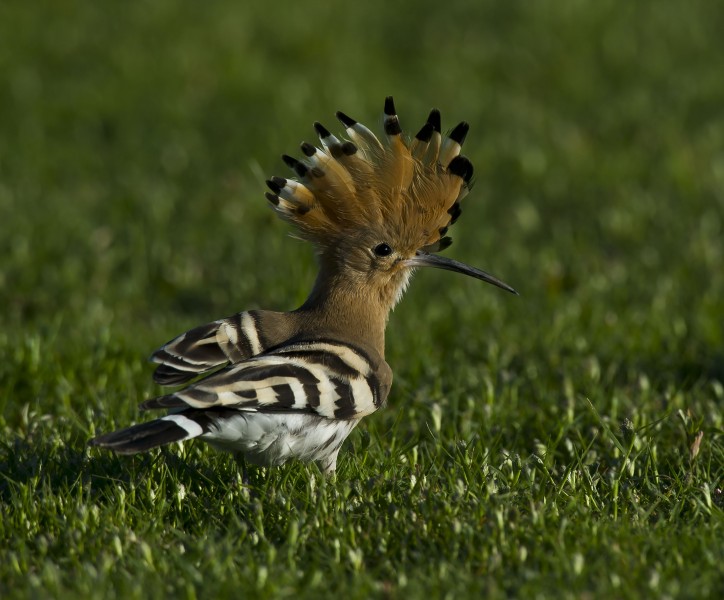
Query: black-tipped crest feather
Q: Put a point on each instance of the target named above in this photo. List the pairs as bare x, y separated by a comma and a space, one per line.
321, 130
362, 183
459, 133
346, 120
435, 120
425, 133
308, 149
390, 106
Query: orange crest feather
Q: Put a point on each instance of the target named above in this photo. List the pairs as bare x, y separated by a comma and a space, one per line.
410, 189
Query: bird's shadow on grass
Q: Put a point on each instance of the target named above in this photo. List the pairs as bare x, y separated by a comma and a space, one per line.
33, 469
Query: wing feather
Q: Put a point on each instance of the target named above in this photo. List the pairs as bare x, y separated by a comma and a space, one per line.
208, 347
326, 378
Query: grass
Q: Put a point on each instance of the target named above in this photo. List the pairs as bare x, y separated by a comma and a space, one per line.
564, 444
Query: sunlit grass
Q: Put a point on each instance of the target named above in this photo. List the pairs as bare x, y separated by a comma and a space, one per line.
565, 443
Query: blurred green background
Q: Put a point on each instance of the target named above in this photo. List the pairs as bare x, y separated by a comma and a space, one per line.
135, 138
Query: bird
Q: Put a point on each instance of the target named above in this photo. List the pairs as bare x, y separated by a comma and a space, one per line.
273, 386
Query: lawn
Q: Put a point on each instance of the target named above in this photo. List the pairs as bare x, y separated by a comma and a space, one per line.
567, 443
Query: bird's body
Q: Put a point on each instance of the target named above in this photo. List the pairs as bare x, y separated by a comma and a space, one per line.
279, 385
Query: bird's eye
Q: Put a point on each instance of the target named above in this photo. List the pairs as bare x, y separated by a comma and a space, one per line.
383, 250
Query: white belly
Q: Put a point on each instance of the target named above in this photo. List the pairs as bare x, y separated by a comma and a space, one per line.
271, 439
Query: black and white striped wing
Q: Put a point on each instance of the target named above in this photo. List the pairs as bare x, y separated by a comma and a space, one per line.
208, 347
329, 379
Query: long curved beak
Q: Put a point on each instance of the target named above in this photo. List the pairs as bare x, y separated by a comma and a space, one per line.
423, 259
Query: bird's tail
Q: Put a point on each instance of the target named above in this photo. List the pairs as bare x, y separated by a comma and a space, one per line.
145, 436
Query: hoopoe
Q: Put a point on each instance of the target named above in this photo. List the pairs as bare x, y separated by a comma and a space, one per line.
282, 385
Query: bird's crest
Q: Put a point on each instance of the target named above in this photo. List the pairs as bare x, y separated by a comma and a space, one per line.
410, 189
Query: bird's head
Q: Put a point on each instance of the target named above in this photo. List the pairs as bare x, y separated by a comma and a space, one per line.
376, 210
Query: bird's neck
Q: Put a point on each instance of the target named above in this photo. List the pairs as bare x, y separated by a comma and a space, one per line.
342, 307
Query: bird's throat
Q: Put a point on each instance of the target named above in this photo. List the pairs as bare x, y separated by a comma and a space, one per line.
346, 306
